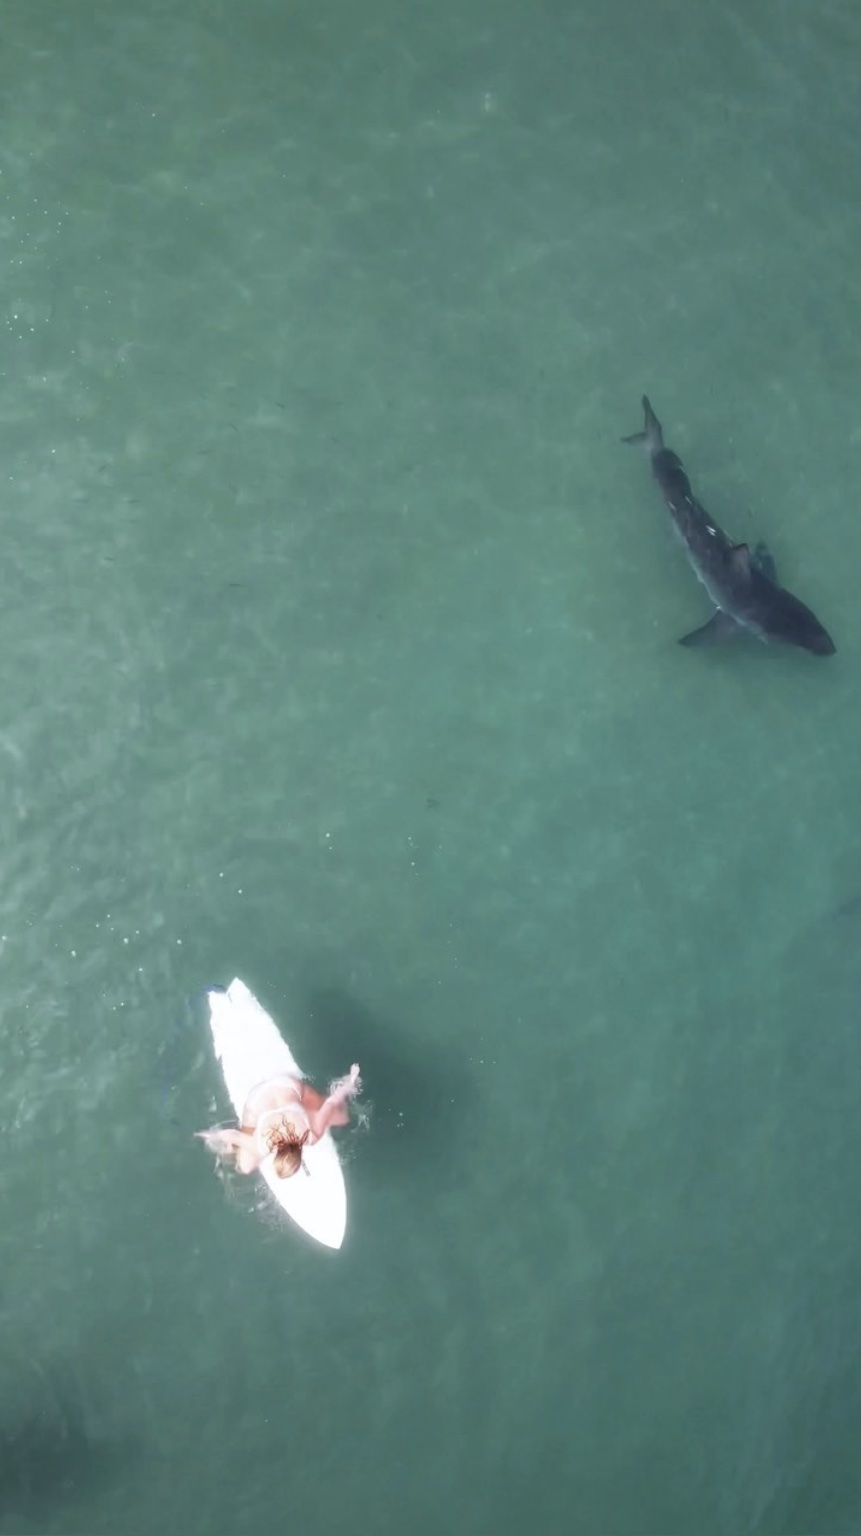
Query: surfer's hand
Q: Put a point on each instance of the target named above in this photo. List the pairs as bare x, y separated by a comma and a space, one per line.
217, 1140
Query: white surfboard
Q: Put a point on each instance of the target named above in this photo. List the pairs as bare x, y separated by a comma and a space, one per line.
251, 1050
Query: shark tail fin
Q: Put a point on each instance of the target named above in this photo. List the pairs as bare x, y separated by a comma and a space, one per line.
651, 436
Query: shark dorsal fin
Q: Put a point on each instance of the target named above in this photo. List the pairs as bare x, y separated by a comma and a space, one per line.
741, 559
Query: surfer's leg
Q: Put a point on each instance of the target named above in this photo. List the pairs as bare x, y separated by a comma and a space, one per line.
338, 1114
312, 1100
333, 1110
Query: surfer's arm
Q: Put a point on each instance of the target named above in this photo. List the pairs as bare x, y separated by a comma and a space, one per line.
240, 1142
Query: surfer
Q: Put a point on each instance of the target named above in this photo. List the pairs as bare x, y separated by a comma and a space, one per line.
279, 1118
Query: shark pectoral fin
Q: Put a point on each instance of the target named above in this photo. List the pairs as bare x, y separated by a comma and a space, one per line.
763, 559
721, 626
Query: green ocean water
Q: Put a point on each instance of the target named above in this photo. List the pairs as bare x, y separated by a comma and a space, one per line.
338, 653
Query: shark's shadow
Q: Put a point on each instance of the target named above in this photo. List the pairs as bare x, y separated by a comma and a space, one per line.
421, 1097
51, 1452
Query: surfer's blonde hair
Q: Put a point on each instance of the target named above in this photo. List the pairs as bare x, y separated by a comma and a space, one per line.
285, 1143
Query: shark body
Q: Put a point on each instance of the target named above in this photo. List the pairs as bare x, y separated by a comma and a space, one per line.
741, 583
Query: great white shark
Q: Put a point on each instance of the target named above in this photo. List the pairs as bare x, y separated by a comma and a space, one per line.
742, 583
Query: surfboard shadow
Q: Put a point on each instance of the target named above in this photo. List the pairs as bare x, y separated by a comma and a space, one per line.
420, 1097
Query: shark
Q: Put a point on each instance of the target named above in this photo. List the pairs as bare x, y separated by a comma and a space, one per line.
741, 582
